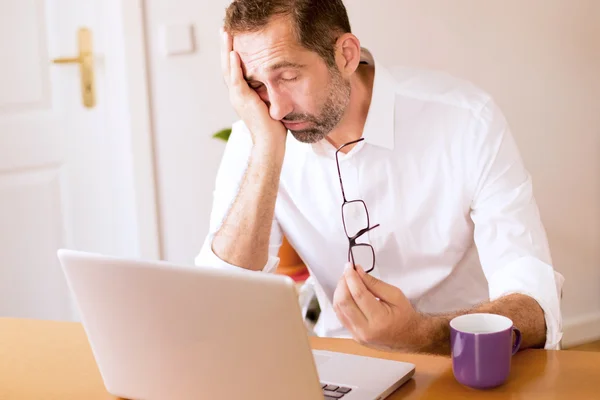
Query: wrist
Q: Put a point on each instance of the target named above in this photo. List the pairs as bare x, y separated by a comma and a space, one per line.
271, 150
433, 334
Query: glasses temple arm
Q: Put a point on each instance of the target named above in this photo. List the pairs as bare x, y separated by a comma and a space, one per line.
340, 176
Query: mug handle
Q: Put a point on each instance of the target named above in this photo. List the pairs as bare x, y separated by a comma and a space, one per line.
517, 341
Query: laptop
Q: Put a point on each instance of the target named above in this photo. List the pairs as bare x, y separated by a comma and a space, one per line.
163, 331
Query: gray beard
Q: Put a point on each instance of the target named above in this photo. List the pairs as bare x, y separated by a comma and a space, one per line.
331, 114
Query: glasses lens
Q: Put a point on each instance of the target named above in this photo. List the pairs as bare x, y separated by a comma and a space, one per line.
355, 217
363, 255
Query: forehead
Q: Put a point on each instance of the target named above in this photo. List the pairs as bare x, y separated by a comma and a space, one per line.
269, 46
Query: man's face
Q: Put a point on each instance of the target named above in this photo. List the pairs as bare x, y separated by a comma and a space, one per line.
296, 84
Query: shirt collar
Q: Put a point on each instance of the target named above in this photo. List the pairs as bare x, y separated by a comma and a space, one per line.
379, 126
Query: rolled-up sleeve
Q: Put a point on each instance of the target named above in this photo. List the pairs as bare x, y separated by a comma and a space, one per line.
510, 237
229, 178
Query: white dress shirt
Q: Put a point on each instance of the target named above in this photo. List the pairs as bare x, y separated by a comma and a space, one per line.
440, 172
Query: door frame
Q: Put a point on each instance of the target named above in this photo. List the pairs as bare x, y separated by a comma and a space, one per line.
127, 46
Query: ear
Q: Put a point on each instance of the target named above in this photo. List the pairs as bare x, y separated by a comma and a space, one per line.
347, 54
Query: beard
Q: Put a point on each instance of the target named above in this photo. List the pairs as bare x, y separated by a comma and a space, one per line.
331, 113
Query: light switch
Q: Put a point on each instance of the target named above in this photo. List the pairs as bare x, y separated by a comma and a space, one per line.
177, 39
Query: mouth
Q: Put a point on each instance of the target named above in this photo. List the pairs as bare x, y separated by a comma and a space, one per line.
295, 126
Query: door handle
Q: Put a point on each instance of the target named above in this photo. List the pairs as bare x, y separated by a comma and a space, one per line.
85, 60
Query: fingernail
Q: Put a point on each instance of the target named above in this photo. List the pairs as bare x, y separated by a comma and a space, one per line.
348, 266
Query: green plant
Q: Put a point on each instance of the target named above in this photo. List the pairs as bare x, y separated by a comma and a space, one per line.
223, 134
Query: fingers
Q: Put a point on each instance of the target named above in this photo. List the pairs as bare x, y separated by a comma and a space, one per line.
346, 309
238, 87
236, 77
378, 288
364, 299
226, 48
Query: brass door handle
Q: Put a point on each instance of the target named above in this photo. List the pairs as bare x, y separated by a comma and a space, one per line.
85, 60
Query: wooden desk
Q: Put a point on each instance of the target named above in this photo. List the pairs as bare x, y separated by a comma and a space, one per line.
53, 360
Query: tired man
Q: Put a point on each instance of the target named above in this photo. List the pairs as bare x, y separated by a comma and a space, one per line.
403, 191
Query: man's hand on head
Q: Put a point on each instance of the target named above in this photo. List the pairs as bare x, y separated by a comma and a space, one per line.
266, 132
376, 313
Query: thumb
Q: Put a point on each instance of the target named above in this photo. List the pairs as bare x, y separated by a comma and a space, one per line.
382, 290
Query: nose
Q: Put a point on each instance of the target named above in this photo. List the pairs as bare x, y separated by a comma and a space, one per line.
279, 106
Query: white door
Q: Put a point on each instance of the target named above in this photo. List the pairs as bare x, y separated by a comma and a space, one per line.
65, 180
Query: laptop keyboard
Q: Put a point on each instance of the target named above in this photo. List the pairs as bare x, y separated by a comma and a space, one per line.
334, 392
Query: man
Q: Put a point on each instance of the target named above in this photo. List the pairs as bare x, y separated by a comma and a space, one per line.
445, 222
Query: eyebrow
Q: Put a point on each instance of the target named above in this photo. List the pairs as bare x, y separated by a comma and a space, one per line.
276, 66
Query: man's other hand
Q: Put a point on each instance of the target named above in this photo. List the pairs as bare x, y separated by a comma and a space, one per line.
377, 314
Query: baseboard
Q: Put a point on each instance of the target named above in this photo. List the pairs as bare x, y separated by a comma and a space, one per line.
581, 330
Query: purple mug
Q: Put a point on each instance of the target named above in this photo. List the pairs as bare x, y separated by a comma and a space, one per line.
482, 349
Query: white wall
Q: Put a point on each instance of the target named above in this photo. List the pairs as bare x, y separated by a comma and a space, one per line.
189, 103
540, 59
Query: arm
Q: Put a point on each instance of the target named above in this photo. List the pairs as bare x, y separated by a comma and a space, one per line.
511, 242
524, 311
244, 235
509, 234
231, 176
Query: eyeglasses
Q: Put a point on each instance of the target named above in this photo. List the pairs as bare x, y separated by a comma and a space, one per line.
355, 218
